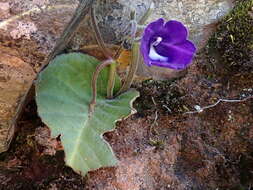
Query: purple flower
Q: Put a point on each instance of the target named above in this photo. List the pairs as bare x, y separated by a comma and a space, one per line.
166, 45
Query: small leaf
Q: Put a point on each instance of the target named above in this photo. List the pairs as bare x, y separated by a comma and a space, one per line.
63, 93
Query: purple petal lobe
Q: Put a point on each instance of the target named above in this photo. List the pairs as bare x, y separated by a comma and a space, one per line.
180, 54
153, 27
149, 33
176, 31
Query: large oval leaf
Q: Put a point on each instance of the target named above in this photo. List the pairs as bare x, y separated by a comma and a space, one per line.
63, 93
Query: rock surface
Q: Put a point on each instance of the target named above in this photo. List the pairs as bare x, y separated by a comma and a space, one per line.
16, 77
25, 41
4, 10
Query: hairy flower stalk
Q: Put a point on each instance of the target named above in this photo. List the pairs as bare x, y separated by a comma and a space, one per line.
99, 68
111, 81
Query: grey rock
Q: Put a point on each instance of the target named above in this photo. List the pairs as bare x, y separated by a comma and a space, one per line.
195, 14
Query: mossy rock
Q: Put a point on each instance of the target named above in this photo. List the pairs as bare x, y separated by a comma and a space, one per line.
230, 49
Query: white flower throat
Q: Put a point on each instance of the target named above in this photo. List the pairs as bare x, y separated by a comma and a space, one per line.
152, 52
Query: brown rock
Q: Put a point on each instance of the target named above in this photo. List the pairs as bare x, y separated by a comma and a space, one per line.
4, 10
16, 77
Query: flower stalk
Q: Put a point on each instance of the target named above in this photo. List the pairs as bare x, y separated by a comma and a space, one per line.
147, 14
95, 75
111, 81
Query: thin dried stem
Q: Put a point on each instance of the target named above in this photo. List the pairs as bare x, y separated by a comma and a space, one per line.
98, 35
95, 46
80, 13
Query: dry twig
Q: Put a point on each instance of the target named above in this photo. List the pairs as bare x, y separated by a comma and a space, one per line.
201, 109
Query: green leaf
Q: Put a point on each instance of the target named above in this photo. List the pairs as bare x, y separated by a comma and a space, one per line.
63, 93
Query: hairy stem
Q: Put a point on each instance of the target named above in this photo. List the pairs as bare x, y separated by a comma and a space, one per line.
147, 14
111, 81
94, 84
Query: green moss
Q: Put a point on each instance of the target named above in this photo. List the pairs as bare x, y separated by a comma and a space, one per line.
232, 44
156, 143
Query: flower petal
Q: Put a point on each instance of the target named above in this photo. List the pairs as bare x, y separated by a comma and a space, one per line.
179, 55
148, 34
176, 31
153, 28
145, 51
